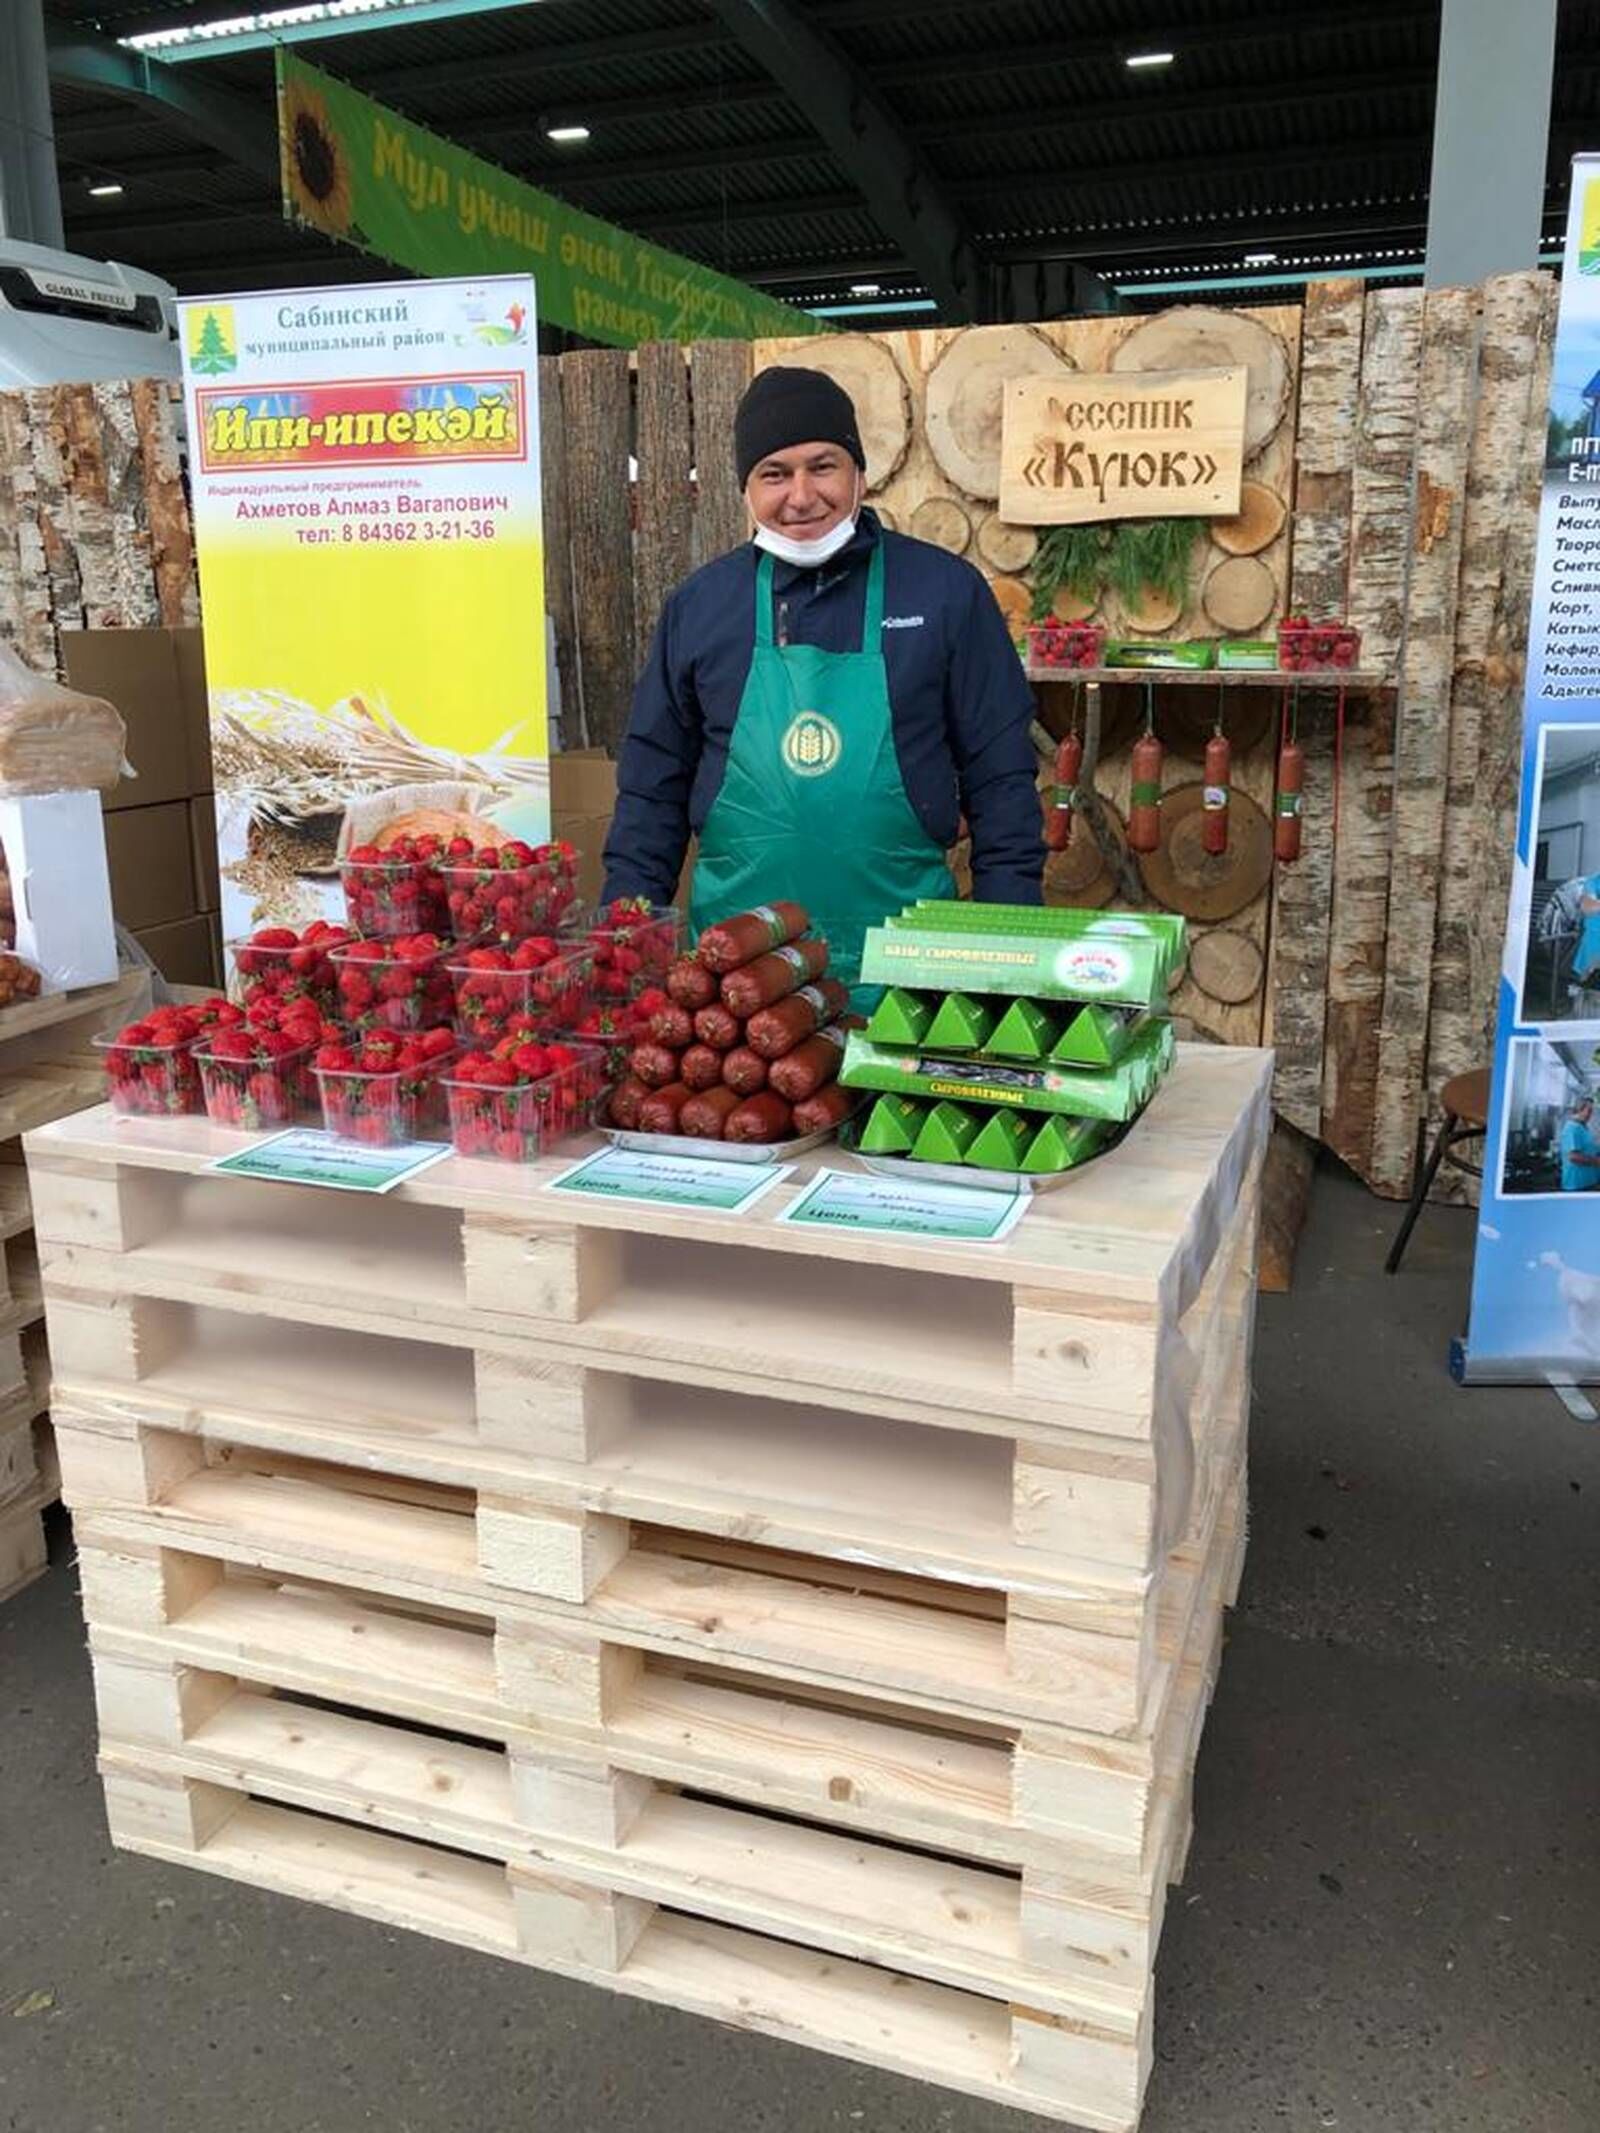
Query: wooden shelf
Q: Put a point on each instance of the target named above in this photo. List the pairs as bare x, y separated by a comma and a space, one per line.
1366, 680
93, 1006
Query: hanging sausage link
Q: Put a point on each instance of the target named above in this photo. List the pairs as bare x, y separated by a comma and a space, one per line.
1214, 796
1144, 812
1286, 809
1069, 768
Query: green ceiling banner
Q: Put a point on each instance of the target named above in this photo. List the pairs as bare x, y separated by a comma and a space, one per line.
363, 174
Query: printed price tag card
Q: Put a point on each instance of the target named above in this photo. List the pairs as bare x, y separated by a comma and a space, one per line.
956, 1214
631, 1175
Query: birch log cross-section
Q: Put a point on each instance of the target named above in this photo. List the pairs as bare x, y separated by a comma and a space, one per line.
596, 404
1330, 384
1513, 311
1500, 733
1380, 537
661, 556
557, 535
1422, 727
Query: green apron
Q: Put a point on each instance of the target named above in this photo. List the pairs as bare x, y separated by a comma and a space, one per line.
812, 806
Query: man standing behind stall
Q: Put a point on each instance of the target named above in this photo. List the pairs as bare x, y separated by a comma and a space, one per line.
822, 706
1579, 1151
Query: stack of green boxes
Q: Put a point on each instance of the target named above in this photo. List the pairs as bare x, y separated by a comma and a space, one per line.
1012, 1038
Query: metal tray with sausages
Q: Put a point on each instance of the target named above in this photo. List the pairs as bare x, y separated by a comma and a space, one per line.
719, 1151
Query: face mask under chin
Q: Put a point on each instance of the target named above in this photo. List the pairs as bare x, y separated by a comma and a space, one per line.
810, 555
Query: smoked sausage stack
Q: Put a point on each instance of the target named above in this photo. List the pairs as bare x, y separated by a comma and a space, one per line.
750, 1047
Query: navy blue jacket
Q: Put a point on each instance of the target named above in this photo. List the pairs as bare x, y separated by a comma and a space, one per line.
959, 700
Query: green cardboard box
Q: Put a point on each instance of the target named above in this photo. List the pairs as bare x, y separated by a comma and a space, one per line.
1119, 958
1117, 1092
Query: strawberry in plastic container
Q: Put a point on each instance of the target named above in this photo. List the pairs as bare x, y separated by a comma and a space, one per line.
549, 981
635, 943
276, 963
508, 891
253, 1078
382, 1087
617, 1026
394, 984
395, 889
150, 1064
521, 1096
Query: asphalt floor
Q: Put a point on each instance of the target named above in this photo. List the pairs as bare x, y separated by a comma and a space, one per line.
1390, 1921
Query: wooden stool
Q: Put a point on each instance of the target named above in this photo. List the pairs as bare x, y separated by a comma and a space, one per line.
1464, 1100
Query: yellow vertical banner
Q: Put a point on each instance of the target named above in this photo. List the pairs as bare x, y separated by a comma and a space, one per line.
365, 473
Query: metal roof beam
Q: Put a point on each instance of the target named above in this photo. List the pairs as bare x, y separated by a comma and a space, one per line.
599, 112
1011, 188
232, 124
897, 185
524, 60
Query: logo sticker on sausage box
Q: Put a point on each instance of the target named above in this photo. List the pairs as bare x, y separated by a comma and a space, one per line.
1093, 966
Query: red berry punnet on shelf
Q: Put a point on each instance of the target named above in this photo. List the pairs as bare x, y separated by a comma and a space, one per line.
515, 1100
635, 944
252, 1078
618, 1025
276, 963
1066, 644
394, 890
398, 984
150, 1064
382, 1086
506, 892
541, 983
1306, 647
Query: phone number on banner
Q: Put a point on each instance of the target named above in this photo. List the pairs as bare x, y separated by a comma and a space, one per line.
419, 530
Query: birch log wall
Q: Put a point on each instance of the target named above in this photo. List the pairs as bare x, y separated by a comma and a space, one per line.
94, 528
1407, 435
1445, 467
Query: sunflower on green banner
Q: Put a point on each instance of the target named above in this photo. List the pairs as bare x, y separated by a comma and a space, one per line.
367, 176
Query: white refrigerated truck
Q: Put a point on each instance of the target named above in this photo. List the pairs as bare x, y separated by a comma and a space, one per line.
66, 319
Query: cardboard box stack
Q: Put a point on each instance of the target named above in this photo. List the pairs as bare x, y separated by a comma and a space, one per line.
160, 825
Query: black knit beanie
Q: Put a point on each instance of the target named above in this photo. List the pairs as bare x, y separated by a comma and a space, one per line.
786, 406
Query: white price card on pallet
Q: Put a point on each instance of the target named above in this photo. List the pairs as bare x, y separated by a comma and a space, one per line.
717, 1187
306, 1156
958, 1214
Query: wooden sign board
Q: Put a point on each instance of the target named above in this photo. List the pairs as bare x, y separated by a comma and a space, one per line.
1122, 444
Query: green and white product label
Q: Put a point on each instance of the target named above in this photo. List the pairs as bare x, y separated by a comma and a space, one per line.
1090, 966
1289, 803
952, 1214
708, 1182
307, 1156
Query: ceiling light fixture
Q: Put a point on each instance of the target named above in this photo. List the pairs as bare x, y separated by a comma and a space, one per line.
1149, 59
241, 31
108, 191
866, 288
566, 133
1261, 259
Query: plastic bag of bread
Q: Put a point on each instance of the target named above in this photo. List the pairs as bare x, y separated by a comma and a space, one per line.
54, 739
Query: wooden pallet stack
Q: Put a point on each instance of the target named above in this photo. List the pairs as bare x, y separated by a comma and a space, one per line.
47, 1069
809, 1631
